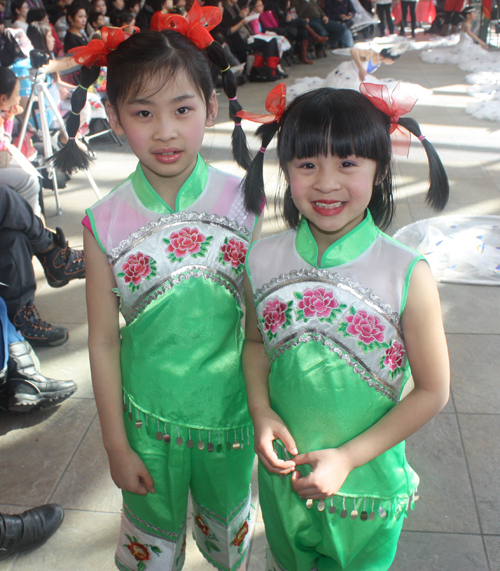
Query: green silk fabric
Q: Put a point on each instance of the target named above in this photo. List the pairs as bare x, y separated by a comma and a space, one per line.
181, 356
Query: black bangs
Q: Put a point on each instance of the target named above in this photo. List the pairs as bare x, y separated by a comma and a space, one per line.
153, 59
340, 122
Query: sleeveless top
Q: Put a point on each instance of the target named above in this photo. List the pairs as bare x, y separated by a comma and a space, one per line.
333, 336
179, 278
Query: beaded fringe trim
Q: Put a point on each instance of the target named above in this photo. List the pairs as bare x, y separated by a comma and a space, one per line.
211, 440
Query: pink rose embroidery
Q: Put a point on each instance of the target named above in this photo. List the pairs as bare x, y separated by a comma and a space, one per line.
318, 303
186, 242
136, 268
393, 357
275, 315
367, 328
233, 252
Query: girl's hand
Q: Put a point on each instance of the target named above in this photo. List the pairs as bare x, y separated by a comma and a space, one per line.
362, 74
330, 468
129, 472
14, 110
268, 426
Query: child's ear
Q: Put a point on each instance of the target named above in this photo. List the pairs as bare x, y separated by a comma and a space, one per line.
212, 108
113, 118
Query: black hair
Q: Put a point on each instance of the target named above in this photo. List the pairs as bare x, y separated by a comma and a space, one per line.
73, 9
386, 52
16, 5
154, 58
8, 81
124, 17
37, 34
129, 4
340, 122
94, 16
36, 15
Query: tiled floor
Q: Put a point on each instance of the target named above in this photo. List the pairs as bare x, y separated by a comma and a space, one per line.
56, 455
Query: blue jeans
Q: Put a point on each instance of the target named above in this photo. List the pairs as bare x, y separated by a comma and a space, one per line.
8, 334
335, 31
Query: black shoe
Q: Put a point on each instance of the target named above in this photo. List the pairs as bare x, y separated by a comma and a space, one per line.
28, 530
36, 331
281, 74
28, 389
62, 264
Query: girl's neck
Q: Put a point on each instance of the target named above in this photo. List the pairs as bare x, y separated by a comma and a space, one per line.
75, 31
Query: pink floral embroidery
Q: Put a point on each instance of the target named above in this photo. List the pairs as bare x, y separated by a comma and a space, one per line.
318, 303
136, 268
367, 328
276, 314
187, 242
393, 358
233, 252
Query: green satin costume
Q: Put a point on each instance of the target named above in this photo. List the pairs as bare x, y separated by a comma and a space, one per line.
338, 364
179, 278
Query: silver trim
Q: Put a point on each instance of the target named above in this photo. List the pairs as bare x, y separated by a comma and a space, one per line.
357, 364
147, 231
175, 278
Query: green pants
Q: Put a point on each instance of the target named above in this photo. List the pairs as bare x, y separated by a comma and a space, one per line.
153, 531
301, 538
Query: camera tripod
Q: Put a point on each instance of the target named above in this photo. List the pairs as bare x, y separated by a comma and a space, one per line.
41, 93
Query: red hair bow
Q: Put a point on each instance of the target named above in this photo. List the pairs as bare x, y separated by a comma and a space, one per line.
395, 104
96, 51
195, 26
275, 104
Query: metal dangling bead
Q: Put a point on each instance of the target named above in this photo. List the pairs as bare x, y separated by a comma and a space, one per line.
321, 505
201, 444
309, 504
219, 445
179, 440
190, 443
159, 433
343, 513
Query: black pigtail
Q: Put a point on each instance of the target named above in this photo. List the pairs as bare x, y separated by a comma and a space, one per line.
72, 157
253, 183
439, 188
241, 154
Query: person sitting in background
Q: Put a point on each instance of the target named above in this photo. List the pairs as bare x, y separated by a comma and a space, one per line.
19, 11
320, 23
22, 387
133, 6
75, 37
22, 235
126, 18
341, 11
61, 24
40, 15
100, 6
95, 22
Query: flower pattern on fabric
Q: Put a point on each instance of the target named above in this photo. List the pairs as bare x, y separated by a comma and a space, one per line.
275, 315
140, 551
187, 242
233, 252
183, 548
319, 303
240, 536
210, 537
137, 268
366, 327
393, 358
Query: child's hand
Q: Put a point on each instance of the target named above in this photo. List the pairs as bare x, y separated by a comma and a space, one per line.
14, 110
268, 427
330, 468
129, 473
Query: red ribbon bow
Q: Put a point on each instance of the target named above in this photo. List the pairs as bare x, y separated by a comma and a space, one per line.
398, 103
96, 51
275, 104
195, 26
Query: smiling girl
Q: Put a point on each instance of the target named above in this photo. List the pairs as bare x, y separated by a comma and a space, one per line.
337, 311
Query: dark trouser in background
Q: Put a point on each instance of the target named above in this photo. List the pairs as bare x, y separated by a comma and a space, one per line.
22, 234
405, 6
384, 13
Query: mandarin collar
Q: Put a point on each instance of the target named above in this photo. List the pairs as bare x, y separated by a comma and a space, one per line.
188, 193
344, 250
